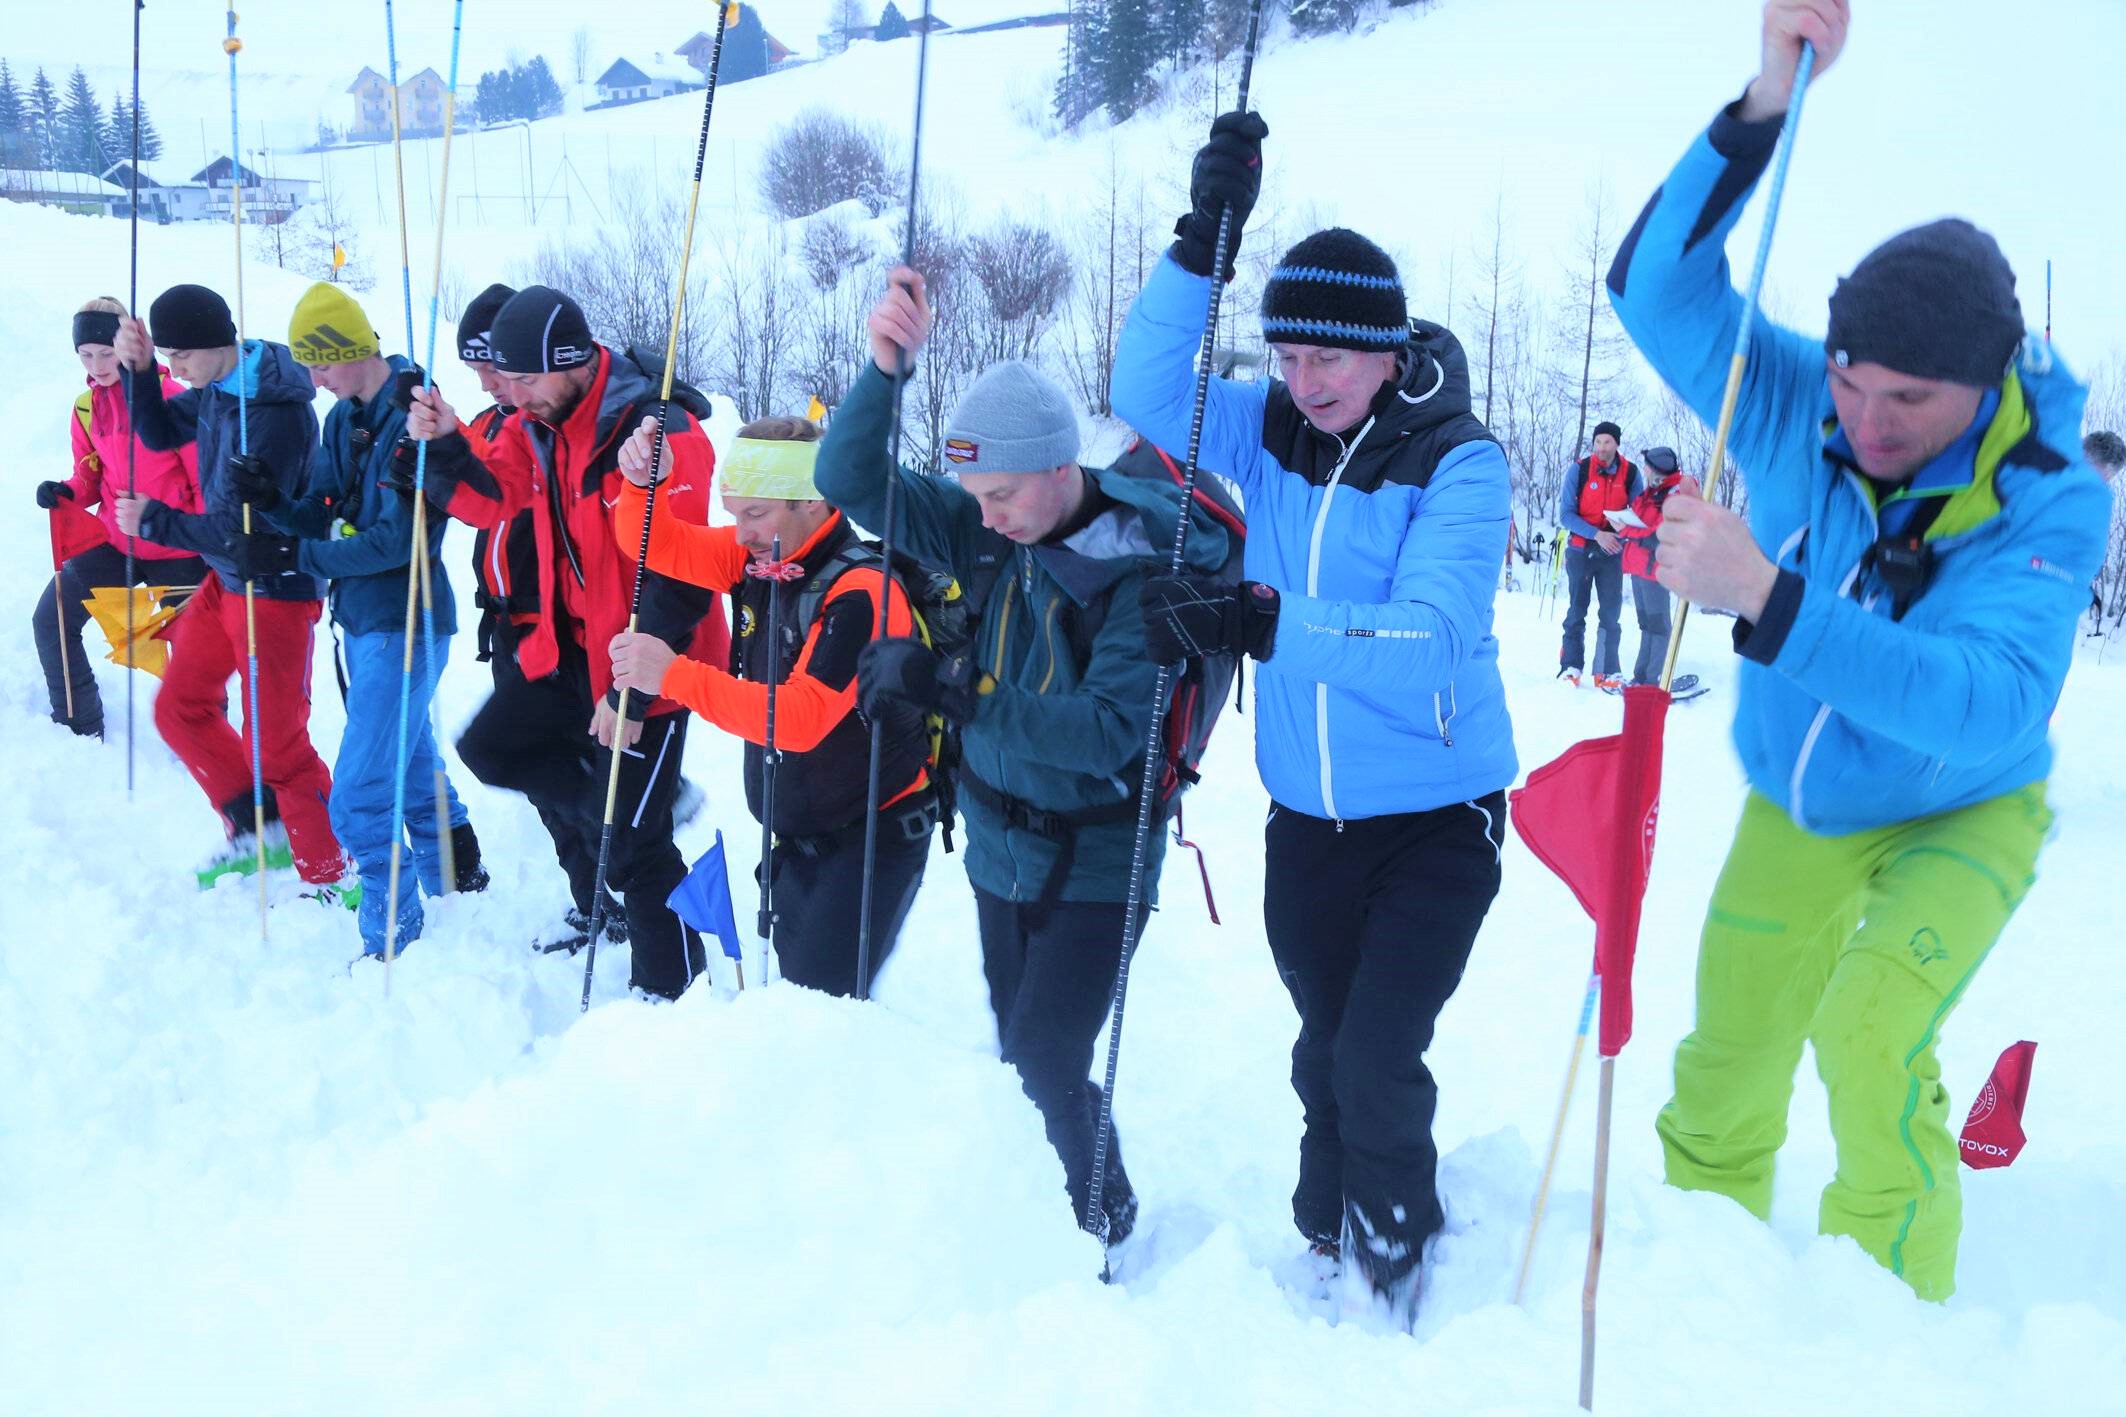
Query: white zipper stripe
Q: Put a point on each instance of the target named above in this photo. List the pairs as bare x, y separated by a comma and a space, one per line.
1321, 691
1808, 742
1498, 854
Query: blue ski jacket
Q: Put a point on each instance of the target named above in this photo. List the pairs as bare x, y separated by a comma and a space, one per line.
357, 533
1381, 694
1852, 716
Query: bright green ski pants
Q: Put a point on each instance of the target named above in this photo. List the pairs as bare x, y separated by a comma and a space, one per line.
1860, 945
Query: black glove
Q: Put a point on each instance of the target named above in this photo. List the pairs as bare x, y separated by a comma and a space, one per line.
250, 480
263, 556
907, 671
1227, 172
51, 494
403, 385
400, 468
1187, 616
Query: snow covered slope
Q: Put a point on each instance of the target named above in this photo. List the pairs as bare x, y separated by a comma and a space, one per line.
237, 1179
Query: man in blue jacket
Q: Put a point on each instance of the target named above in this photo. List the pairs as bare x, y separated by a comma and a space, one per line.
1377, 508
1921, 531
357, 535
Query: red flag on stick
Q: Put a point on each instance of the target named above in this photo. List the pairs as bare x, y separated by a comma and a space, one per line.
1589, 816
1993, 1132
73, 532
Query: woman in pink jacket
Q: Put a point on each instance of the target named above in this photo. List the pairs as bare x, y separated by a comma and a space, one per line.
101, 431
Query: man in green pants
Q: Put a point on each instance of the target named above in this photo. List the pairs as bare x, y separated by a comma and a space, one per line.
1921, 529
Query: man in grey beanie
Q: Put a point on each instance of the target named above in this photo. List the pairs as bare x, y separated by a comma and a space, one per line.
1053, 699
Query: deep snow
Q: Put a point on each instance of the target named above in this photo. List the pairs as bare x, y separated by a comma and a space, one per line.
236, 1178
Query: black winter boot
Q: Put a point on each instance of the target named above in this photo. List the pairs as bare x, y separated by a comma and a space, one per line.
465, 858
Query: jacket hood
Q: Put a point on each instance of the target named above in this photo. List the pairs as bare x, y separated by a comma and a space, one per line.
271, 374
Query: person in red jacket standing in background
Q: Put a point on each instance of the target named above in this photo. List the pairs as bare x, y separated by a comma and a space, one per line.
1593, 487
1664, 474
576, 402
101, 431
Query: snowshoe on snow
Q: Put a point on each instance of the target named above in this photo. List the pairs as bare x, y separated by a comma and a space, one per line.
1383, 1281
239, 857
346, 892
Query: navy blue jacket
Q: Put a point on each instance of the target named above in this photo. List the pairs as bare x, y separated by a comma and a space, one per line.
282, 430
357, 533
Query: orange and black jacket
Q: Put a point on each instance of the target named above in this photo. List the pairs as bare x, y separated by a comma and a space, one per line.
822, 742
505, 556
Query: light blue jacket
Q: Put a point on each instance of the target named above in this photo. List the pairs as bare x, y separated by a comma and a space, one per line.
1848, 718
1382, 692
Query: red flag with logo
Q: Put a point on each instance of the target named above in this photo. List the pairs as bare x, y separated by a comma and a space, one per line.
73, 532
1993, 1132
1590, 817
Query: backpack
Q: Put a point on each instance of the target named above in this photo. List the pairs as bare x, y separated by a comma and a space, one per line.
942, 620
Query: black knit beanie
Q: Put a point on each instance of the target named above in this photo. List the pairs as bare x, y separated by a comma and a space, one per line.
190, 317
95, 327
1610, 428
1935, 302
478, 320
1338, 289
540, 331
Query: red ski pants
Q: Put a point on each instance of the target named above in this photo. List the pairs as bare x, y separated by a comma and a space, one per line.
207, 645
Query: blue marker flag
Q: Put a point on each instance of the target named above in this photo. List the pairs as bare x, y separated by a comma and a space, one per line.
703, 900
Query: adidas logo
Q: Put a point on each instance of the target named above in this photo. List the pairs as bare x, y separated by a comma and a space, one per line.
325, 345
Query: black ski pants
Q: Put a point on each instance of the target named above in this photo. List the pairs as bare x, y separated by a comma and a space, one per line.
548, 716
1051, 972
1371, 923
819, 896
1652, 601
1591, 572
63, 654
540, 746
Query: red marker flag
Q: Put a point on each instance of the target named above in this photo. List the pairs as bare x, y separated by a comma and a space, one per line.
73, 532
1993, 1132
1590, 816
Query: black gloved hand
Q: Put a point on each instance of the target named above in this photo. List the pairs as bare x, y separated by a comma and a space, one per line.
263, 556
907, 671
403, 385
51, 494
1187, 616
250, 480
400, 467
1227, 172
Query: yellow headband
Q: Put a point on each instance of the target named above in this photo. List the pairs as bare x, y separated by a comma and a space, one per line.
762, 467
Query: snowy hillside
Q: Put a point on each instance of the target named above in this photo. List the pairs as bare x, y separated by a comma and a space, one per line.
236, 1179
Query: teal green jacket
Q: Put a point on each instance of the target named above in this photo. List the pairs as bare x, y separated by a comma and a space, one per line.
1051, 733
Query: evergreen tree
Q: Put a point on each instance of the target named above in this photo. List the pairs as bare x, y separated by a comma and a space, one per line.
150, 140
17, 144
117, 134
539, 93
1124, 58
80, 143
1184, 30
745, 48
44, 120
892, 24
1311, 17
1078, 86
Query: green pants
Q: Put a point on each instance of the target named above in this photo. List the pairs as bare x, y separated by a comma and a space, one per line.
1860, 945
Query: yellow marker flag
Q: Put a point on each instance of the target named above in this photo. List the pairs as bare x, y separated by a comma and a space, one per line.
107, 604
730, 16
815, 410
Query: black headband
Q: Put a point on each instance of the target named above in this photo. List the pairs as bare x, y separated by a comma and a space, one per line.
95, 327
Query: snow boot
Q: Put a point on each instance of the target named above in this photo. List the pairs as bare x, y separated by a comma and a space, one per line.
472, 877
576, 928
239, 855
1571, 677
1384, 1279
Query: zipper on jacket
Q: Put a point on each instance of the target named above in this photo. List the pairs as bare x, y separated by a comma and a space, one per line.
1446, 719
1808, 741
1321, 691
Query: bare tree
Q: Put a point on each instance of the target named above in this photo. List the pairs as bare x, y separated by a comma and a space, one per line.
1599, 347
622, 274
1111, 258
316, 229
833, 246
579, 53
758, 333
821, 158
846, 19
1498, 286
1024, 274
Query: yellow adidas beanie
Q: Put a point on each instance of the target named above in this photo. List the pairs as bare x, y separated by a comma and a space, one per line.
329, 327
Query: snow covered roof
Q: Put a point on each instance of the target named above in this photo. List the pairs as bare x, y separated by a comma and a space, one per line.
154, 172
18, 179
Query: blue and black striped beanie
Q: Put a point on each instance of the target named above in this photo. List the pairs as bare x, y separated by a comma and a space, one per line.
1336, 288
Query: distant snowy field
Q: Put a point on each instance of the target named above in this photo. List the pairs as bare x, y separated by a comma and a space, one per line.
237, 1179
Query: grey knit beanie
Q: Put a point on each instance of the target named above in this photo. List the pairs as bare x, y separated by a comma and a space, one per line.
1012, 419
1935, 302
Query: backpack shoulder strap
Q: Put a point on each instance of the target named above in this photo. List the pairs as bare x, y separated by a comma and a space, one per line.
820, 585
